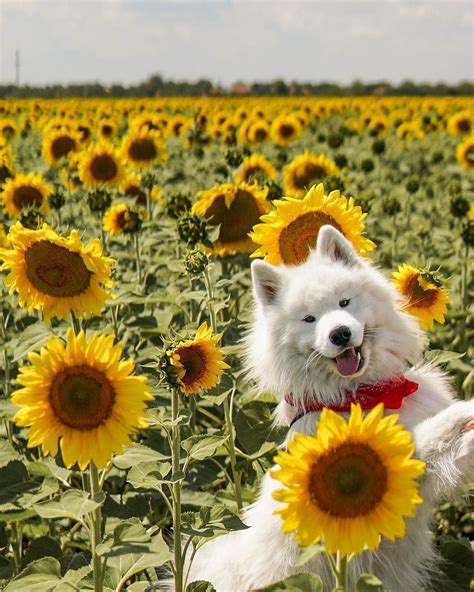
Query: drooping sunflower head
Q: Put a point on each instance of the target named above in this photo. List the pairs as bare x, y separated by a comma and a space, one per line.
25, 191
256, 168
306, 170
289, 232
56, 275
424, 296
59, 143
81, 397
142, 149
199, 362
101, 164
465, 153
236, 208
286, 129
351, 484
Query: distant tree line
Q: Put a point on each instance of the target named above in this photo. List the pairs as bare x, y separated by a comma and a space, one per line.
157, 86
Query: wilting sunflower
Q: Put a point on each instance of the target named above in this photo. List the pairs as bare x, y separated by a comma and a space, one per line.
464, 153
54, 274
101, 164
142, 149
288, 233
25, 191
286, 129
255, 168
351, 483
304, 171
199, 362
81, 397
236, 208
460, 123
425, 297
59, 143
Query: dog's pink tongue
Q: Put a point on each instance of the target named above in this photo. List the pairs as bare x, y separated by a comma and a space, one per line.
348, 362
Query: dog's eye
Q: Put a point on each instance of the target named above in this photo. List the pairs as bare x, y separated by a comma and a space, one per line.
344, 303
309, 319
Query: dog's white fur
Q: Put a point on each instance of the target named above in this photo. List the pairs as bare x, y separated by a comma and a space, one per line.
285, 355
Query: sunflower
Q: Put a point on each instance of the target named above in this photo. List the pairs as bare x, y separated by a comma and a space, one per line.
256, 168
464, 153
101, 165
7, 170
132, 187
54, 274
142, 149
286, 129
288, 233
116, 219
199, 362
8, 128
410, 130
304, 171
460, 123
107, 128
258, 131
59, 144
236, 208
3, 237
177, 126
425, 298
25, 191
351, 483
81, 397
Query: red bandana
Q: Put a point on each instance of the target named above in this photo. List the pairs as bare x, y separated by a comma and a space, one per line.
390, 393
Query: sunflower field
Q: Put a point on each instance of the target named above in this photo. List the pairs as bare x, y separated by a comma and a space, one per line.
130, 434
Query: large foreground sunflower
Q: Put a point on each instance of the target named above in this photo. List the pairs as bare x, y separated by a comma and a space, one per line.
236, 208
351, 483
465, 153
306, 170
199, 362
101, 165
55, 274
425, 298
289, 232
81, 396
25, 191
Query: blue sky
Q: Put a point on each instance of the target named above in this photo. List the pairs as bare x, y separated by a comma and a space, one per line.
227, 40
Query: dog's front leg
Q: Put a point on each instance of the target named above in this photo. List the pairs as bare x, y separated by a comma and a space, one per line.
446, 443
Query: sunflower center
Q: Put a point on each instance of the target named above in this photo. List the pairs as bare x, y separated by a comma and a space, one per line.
82, 397
260, 134
255, 173
107, 130
62, 146
349, 481
193, 360
142, 150
306, 174
237, 220
419, 296
136, 193
300, 236
56, 271
27, 196
84, 131
103, 167
464, 125
469, 157
286, 130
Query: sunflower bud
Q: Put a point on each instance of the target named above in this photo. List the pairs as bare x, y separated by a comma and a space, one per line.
412, 185
467, 233
333, 183
459, 206
335, 140
56, 200
99, 200
378, 147
195, 262
176, 204
31, 219
340, 160
367, 165
191, 229
168, 372
391, 206
148, 181
234, 157
274, 191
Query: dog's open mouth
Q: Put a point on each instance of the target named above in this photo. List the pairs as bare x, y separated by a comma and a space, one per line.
350, 361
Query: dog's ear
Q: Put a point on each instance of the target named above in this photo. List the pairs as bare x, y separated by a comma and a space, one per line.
332, 244
266, 282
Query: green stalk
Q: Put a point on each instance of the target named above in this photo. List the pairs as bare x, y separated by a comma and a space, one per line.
17, 544
136, 244
176, 489
227, 407
464, 294
96, 534
6, 362
340, 573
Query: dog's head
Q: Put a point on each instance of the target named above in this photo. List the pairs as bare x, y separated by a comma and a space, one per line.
323, 327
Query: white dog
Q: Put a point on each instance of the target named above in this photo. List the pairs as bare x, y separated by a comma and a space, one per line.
321, 329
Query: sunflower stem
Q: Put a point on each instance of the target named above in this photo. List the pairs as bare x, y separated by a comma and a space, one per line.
340, 573
6, 361
17, 544
136, 244
463, 294
96, 529
76, 325
176, 498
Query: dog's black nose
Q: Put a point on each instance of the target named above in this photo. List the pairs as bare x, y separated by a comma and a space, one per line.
340, 336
